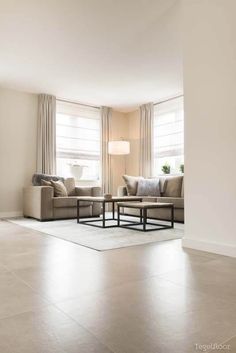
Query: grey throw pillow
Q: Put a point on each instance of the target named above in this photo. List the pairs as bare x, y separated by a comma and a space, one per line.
131, 184
148, 187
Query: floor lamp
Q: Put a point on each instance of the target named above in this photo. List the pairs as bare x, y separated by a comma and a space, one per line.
118, 148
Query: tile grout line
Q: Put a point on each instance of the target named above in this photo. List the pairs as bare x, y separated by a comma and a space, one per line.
85, 328
145, 278
53, 304
224, 342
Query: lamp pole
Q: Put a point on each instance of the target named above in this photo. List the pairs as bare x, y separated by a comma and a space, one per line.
118, 148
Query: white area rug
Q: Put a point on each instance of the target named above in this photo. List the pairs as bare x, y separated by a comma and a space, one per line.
98, 238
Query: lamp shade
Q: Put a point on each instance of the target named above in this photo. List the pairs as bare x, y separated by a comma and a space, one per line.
119, 147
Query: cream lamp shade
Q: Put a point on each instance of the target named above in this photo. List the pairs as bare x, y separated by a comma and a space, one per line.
119, 147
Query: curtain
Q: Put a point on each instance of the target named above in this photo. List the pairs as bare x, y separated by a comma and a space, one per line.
146, 140
46, 134
106, 115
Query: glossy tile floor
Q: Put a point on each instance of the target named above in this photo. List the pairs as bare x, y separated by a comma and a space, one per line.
57, 297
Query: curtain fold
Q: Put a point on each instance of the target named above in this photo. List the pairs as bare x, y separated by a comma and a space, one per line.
146, 140
106, 115
46, 134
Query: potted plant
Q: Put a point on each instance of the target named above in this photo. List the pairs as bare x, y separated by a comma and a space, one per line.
166, 168
181, 168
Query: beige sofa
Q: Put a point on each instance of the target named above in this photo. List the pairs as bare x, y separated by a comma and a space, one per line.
40, 203
172, 190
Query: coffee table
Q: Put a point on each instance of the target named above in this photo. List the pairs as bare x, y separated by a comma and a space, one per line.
143, 207
104, 201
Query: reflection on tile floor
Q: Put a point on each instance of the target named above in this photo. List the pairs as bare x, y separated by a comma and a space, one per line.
59, 297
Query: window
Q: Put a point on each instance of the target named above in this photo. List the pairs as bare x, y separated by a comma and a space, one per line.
169, 135
78, 141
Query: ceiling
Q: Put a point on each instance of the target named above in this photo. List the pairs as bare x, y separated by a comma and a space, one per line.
119, 53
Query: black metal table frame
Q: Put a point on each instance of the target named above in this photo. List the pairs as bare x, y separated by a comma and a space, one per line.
143, 216
104, 219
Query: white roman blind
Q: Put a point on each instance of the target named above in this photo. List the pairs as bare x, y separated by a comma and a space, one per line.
78, 139
169, 135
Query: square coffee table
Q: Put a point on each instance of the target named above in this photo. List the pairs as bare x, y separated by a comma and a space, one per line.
143, 208
103, 201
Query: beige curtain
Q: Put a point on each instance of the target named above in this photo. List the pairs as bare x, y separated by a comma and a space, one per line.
146, 140
46, 135
106, 115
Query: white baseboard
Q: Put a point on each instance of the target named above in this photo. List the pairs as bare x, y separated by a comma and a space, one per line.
216, 248
11, 214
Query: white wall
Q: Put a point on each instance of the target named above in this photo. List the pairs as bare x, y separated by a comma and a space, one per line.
18, 131
209, 29
18, 119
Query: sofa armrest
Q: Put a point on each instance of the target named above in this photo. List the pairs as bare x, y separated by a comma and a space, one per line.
38, 202
91, 191
122, 191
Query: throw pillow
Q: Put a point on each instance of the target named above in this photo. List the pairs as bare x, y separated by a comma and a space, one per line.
59, 188
36, 179
173, 186
131, 184
46, 183
148, 187
70, 186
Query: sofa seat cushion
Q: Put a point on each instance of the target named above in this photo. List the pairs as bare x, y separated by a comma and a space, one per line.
70, 201
177, 201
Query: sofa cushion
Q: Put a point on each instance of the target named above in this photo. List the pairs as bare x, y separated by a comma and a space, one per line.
177, 201
132, 184
149, 199
46, 183
173, 186
59, 188
148, 187
36, 179
70, 186
70, 201
83, 191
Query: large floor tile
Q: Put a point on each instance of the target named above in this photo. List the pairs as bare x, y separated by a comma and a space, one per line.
47, 331
16, 297
214, 278
228, 346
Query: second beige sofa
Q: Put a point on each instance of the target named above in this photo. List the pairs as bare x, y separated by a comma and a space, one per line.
172, 190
